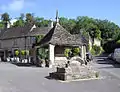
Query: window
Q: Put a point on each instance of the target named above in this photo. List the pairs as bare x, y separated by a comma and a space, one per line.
32, 40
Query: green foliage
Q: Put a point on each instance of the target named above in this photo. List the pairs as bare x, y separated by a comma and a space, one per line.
17, 52
1, 25
97, 74
88, 47
30, 18
42, 53
24, 52
76, 51
41, 22
66, 52
20, 21
118, 42
96, 50
5, 19
38, 38
68, 24
93, 51
109, 46
27, 52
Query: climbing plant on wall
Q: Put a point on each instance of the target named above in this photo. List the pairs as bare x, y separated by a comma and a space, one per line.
38, 38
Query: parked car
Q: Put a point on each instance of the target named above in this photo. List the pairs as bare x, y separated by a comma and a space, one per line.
111, 56
117, 55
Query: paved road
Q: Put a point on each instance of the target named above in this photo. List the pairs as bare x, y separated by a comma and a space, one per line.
31, 79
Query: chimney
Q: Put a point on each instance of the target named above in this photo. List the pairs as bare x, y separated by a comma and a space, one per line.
51, 23
8, 25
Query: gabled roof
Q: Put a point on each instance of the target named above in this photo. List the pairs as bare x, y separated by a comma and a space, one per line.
15, 32
39, 31
59, 36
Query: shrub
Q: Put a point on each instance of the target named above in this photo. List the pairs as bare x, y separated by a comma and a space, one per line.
92, 51
88, 47
96, 50
118, 42
66, 52
27, 52
43, 53
22, 52
97, 74
16, 52
76, 51
38, 38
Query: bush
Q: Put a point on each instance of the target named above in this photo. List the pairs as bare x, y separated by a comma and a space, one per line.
96, 50
76, 51
43, 53
66, 52
23, 52
16, 52
92, 51
27, 52
118, 42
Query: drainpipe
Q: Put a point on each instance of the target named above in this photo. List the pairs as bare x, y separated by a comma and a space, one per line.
25, 48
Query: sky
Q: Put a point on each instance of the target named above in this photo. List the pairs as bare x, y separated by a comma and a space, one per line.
101, 9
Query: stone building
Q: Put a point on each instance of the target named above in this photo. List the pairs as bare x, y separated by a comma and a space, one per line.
57, 39
19, 38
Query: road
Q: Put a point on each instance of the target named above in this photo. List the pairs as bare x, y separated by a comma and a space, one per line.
32, 79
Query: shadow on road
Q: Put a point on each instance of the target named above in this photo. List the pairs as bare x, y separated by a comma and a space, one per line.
106, 61
22, 64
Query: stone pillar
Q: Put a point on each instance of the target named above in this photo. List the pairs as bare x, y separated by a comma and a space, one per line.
82, 52
4, 55
51, 53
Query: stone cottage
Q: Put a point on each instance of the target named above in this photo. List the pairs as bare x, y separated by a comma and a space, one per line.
19, 38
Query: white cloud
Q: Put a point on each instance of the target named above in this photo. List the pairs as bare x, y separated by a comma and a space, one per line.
16, 5
12, 21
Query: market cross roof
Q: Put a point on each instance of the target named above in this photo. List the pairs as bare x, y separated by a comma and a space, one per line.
60, 36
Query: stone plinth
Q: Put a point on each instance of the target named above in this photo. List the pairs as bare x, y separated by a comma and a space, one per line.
74, 71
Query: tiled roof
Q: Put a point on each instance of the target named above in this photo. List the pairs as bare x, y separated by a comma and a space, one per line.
59, 36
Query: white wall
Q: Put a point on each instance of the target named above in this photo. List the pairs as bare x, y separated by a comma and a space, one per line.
51, 53
97, 42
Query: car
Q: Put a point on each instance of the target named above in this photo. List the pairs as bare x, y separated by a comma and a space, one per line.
111, 56
117, 55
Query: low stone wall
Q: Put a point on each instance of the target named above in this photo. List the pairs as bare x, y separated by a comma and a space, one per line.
74, 71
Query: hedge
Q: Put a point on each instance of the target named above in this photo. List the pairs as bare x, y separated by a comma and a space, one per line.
96, 50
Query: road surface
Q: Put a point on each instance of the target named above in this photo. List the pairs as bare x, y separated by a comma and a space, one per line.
32, 79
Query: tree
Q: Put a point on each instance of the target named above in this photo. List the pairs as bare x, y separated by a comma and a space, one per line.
68, 24
30, 18
1, 25
41, 22
20, 21
5, 19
